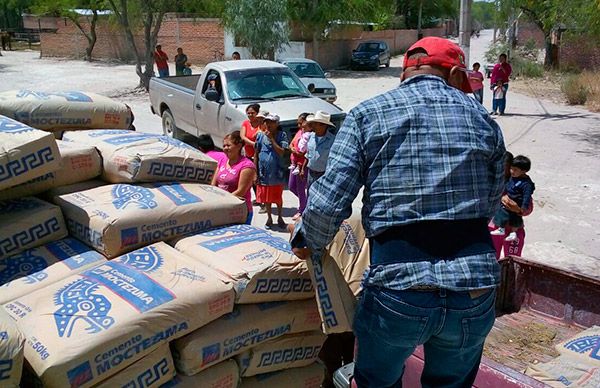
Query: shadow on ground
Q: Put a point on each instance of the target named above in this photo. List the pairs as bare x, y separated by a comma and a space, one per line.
391, 72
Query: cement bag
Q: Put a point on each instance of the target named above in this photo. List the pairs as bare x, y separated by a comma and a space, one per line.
64, 110
245, 327
88, 327
27, 223
585, 347
25, 153
70, 189
223, 375
144, 157
11, 351
118, 218
151, 371
289, 351
566, 371
78, 163
337, 276
308, 377
261, 266
35, 268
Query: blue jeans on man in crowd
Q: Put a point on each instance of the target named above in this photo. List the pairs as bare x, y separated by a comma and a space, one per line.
451, 325
163, 72
499, 105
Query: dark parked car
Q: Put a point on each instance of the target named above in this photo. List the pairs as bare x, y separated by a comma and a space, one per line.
371, 54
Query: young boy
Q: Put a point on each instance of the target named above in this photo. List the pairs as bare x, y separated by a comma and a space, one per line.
519, 188
187, 70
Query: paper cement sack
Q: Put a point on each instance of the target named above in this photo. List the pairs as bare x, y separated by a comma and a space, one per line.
78, 163
11, 351
35, 268
247, 326
307, 377
25, 153
289, 351
585, 346
63, 110
566, 371
118, 218
87, 327
153, 370
27, 223
144, 157
223, 375
73, 188
261, 266
337, 276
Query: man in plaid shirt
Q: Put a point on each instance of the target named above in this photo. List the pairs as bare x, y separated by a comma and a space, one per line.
430, 160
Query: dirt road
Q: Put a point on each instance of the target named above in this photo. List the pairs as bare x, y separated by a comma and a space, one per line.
563, 143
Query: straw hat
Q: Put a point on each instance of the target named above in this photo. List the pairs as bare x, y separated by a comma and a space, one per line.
320, 117
262, 114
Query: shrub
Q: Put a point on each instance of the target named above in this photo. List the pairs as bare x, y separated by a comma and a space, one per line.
527, 68
575, 92
589, 79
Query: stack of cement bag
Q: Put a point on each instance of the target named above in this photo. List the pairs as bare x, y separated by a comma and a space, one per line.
274, 326
60, 111
79, 304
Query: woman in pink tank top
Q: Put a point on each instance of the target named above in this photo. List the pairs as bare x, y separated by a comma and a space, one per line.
235, 173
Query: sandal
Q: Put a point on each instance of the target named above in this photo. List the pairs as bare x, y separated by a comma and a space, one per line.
281, 223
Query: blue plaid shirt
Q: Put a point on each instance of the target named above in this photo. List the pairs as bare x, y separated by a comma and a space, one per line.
422, 151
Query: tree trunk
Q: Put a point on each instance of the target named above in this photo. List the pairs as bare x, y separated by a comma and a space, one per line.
551, 55
92, 36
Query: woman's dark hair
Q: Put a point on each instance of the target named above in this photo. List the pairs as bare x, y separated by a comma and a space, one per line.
206, 143
235, 137
303, 115
254, 107
522, 162
503, 55
477, 64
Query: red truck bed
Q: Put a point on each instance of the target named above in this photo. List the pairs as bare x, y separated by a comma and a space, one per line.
538, 306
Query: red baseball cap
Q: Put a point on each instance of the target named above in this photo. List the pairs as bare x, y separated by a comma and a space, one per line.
440, 52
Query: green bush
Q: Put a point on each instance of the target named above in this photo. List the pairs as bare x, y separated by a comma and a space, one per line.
575, 92
527, 68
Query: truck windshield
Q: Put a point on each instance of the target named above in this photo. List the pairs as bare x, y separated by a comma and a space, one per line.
264, 84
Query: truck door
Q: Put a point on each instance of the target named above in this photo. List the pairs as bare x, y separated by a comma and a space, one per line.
207, 114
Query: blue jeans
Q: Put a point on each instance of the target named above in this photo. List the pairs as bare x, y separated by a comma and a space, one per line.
163, 73
451, 325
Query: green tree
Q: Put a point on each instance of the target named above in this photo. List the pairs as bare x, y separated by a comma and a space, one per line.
432, 11
259, 25
148, 15
66, 8
316, 17
484, 12
11, 11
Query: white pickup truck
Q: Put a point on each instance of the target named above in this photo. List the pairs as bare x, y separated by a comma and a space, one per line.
186, 108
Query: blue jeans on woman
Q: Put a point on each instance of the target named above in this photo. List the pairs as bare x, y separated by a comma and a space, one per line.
451, 325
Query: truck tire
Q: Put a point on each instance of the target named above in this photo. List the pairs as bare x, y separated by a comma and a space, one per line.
168, 124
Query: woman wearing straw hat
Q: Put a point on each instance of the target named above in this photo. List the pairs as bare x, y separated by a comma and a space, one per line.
269, 148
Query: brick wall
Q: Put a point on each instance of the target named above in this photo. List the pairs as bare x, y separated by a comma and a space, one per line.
199, 38
529, 31
337, 52
579, 52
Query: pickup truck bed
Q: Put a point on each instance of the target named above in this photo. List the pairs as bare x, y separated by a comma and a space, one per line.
538, 306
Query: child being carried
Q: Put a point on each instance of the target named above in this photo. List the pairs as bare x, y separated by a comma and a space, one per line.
519, 188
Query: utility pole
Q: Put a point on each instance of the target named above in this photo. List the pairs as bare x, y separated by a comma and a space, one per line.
464, 35
420, 20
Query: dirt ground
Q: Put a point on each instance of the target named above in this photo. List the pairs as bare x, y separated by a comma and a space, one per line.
562, 141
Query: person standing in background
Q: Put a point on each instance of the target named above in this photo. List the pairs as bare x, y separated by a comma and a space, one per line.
180, 61
500, 76
161, 59
476, 81
319, 145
